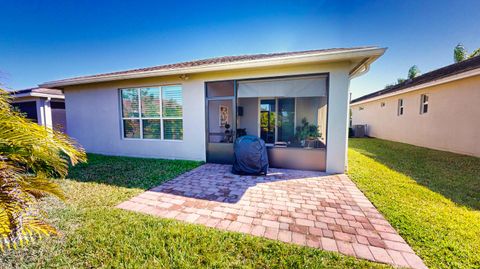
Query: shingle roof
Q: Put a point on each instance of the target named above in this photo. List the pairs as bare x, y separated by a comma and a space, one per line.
443, 72
217, 60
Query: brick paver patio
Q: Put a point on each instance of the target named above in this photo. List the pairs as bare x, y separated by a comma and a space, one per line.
301, 207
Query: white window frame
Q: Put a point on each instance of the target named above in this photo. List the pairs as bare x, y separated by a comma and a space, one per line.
424, 102
140, 118
401, 107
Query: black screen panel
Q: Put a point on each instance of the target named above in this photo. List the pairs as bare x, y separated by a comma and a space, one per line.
29, 109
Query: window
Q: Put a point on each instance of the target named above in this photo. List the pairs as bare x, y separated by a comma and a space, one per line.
423, 104
360, 108
152, 113
382, 104
400, 107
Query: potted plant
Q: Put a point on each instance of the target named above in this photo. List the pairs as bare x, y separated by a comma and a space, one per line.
307, 134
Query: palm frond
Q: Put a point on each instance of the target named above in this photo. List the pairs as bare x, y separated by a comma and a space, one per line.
33, 229
40, 187
29, 156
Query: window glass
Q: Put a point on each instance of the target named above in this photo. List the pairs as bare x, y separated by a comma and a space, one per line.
130, 106
151, 129
150, 98
144, 118
267, 120
173, 129
131, 128
286, 119
424, 100
172, 101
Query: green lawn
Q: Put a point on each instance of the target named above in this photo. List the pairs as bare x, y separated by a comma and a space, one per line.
95, 234
431, 197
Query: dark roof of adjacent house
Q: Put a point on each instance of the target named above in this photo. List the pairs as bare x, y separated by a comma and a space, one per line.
443, 72
217, 61
40, 91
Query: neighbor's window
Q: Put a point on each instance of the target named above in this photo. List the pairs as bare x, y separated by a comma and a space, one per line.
400, 107
152, 113
423, 104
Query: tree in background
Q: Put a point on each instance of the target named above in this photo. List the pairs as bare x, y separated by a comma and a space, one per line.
400, 80
475, 53
30, 156
461, 54
413, 72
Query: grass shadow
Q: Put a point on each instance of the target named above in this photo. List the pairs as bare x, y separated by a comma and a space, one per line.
129, 172
455, 176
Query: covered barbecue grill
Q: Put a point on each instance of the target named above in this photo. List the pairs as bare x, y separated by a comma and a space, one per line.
250, 156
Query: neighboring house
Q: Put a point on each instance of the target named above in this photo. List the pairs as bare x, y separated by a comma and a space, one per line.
43, 106
194, 110
439, 110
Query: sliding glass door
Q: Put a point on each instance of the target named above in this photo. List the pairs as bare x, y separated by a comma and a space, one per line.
286, 120
277, 120
268, 118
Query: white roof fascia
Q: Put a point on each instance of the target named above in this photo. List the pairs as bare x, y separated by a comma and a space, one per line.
34, 94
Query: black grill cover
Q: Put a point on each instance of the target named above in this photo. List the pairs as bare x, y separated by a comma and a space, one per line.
250, 156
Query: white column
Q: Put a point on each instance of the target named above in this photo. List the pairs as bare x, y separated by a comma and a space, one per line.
337, 135
44, 112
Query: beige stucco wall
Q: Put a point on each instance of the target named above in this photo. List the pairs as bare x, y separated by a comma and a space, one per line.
93, 113
451, 124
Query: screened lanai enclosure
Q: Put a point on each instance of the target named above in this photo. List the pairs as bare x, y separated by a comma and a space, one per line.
288, 113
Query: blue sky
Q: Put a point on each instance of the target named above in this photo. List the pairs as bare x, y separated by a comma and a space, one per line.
47, 40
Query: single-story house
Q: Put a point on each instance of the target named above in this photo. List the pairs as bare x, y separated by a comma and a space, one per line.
43, 106
438, 110
194, 110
